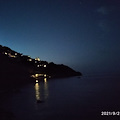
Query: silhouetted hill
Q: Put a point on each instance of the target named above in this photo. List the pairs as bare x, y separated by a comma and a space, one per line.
12, 73
60, 71
16, 68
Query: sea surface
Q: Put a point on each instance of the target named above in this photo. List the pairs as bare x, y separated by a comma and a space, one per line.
66, 99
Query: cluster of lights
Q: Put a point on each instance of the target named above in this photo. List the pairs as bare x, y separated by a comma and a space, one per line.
37, 59
45, 80
41, 65
10, 55
38, 75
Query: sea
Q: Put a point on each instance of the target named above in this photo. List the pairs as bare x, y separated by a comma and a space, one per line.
95, 97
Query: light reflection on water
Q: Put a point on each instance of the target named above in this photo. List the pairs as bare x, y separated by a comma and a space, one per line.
75, 100
37, 91
41, 86
46, 88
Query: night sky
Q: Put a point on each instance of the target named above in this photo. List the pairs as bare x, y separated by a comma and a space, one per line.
83, 34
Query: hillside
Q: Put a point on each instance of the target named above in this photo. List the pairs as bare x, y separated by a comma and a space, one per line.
16, 68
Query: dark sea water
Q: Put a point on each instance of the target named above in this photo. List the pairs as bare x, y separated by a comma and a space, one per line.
66, 99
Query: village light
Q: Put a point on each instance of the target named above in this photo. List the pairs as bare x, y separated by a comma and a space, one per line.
5, 53
30, 59
38, 59
44, 65
45, 75
36, 81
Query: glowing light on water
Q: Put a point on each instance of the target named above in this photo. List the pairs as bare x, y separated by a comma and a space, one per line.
45, 80
46, 93
41, 87
37, 91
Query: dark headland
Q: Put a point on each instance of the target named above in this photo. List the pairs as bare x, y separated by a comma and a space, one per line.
17, 69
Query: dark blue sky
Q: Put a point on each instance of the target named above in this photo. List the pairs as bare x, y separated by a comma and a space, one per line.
83, 34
